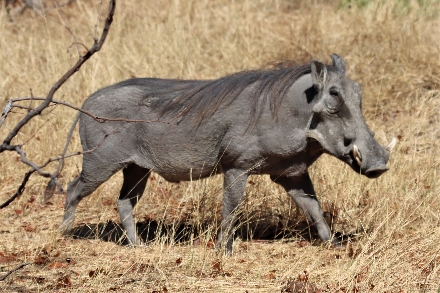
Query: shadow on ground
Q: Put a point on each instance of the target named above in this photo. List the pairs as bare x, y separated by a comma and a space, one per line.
183, 232
147, 230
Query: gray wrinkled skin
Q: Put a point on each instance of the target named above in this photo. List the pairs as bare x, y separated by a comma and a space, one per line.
319, 113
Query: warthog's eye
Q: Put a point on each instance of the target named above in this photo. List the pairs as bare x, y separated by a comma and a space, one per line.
333, 102
334, 93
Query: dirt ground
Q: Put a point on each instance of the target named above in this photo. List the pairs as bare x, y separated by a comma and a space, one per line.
391, 224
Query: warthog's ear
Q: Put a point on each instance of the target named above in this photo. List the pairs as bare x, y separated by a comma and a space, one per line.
319, 74
338, 62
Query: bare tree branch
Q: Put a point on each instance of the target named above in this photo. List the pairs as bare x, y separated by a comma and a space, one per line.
54, 183
95, 48
49, 102
46, 102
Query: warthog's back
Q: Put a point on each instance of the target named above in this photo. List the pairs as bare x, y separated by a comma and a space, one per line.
172, 146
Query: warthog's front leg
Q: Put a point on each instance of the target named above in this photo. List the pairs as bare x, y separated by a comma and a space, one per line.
234, 185
300, 188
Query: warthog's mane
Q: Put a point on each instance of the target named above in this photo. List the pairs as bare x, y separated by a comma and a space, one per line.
202, 99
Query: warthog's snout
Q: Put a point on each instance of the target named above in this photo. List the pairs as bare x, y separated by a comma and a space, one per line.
376, 166
376, 171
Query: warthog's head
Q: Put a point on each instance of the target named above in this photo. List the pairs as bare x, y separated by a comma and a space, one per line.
338, 124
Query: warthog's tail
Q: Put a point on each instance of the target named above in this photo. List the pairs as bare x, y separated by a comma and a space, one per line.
53, 183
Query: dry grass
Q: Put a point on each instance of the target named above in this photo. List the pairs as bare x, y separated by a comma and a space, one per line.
391, 49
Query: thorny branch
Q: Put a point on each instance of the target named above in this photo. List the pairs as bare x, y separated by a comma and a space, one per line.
46, 102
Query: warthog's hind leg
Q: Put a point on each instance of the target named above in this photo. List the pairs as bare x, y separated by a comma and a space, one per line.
135, 180
70, 205
93, 174
77, 190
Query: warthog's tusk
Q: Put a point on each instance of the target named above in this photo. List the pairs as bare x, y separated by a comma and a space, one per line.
357, 155
391, 145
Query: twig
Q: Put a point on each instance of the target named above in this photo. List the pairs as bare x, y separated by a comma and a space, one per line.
39, 128
31, 5
6, 146
5, 112
19, 190
78, 153
13, 270
31, 164
95, 33
30, 102
96, 118
67, 27
95, 48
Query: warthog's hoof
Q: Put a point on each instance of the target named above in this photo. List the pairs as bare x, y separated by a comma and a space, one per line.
338, 241
134, 243
65, 229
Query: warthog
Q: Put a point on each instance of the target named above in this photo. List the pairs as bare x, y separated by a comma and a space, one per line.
275, 122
